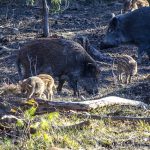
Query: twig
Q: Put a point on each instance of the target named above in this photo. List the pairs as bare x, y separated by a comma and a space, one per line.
80, 125
115, 118
35, 66
30, 61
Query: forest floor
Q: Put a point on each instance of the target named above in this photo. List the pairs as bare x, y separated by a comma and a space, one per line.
25, 24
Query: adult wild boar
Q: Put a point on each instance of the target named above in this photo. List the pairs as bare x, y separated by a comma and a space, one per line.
133, 27
62, 58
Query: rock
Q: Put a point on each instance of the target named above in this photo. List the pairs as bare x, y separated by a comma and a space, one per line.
15, 31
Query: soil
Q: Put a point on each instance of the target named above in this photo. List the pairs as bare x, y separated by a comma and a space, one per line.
19, 25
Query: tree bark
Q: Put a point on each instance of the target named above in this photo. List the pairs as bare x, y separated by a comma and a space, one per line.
52, 106
45, 19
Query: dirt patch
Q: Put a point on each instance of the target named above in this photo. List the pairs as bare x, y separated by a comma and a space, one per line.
90, 21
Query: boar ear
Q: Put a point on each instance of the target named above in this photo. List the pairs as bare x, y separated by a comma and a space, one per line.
114, 23
112, 15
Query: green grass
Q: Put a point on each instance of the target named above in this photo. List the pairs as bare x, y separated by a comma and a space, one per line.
104, 134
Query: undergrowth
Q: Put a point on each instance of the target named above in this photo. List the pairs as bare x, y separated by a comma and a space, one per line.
50, 130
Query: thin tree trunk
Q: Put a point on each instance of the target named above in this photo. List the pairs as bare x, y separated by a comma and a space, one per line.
45, 19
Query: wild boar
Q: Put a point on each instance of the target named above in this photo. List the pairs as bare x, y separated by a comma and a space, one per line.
59, 57
125, 65
49, 84
130, 5
32, 85
133, 28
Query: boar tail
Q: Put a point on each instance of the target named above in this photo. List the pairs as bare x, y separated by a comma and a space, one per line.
18, 64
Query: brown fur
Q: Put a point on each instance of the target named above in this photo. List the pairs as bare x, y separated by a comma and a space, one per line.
49, 83
125, 65
32, 86
59, 57
148, 77
130, 5
83, 41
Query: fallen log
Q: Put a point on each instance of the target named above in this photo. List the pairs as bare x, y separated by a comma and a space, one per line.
86, 105
92, 51
97, 55
53, 106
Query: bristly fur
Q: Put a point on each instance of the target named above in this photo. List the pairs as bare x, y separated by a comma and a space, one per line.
49, 84
58, 57
125, 65
130, 5
32, 86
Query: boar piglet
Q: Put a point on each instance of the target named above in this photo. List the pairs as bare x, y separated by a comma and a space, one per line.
130, 5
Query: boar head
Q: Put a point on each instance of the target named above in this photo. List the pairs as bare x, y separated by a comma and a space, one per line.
115, 34
89, 80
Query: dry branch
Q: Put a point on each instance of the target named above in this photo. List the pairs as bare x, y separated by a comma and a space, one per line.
114, 118
80, 125
52, 106
97, 55
90, 104
92, 51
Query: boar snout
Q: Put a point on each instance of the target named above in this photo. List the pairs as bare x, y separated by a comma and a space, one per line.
90, 85
104, 45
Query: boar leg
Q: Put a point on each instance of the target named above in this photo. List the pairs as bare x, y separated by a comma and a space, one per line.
60, 85
73, 85
130, 78
50, 94
127, 78
141, 51
30, 94
120, 79
26, 72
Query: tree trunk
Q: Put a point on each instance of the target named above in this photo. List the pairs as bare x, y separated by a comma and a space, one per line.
45, 19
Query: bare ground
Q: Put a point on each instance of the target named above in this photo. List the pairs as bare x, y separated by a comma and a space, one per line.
90, 21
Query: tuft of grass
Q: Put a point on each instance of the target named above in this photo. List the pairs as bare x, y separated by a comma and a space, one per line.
100, 134
9, 89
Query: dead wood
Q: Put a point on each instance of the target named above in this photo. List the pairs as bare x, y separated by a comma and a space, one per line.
52, 106
90, 104
99, 56
92, 51
114, 118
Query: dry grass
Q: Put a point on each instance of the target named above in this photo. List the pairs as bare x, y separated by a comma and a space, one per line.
100, 135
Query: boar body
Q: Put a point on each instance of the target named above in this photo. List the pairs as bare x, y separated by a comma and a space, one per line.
133, 28
59, 57
125, 65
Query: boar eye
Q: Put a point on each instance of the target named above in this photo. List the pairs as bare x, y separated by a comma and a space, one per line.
109, 30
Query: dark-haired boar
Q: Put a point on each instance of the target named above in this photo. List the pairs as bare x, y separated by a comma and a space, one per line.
133, 28
59, 57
